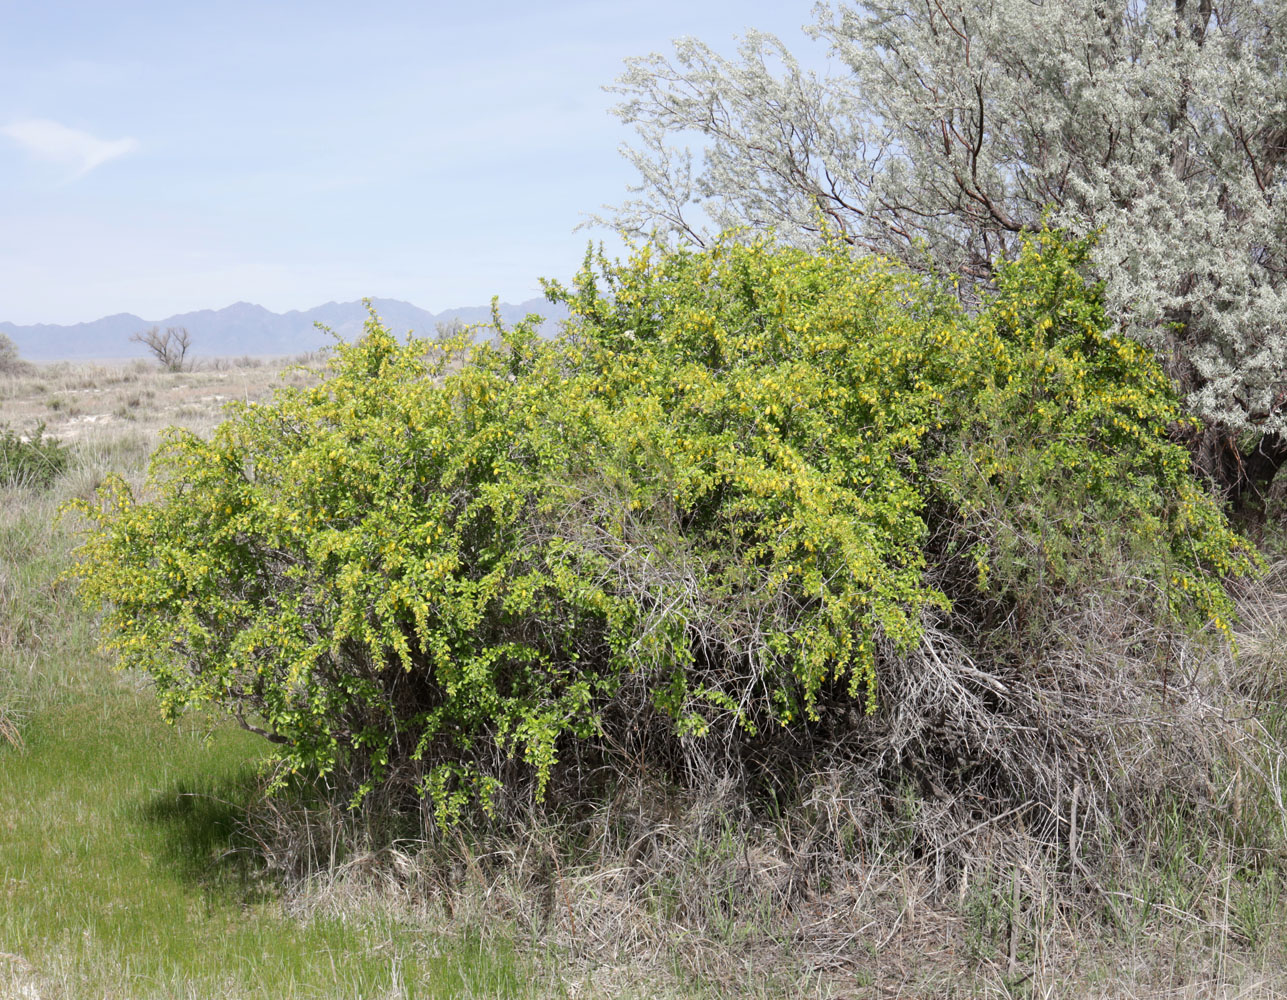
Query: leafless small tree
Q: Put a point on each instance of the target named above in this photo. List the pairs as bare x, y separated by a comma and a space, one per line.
169, 348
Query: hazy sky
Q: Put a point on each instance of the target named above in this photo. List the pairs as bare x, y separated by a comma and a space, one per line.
162, 157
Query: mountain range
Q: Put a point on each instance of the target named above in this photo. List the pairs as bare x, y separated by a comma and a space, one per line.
244, 328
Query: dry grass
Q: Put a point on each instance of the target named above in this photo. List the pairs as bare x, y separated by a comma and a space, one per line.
77, 402
676, 899
851, 891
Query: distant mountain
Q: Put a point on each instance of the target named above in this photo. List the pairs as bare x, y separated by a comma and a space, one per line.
244, 328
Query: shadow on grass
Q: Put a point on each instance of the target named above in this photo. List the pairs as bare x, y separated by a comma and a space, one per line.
201, 829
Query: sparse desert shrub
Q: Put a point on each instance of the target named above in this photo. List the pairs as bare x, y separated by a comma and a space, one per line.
10, 363
170, 348
34, 459
755, 503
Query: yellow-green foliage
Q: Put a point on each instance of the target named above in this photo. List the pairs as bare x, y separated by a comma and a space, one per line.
739, 478
1059, 462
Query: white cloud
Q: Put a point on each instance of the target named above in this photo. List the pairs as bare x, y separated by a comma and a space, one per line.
68, 147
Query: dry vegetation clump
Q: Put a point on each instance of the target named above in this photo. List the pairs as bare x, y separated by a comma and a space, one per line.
9, 724
829, 894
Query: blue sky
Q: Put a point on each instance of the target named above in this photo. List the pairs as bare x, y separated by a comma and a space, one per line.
162, 157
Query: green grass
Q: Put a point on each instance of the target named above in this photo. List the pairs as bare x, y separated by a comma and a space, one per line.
120, 873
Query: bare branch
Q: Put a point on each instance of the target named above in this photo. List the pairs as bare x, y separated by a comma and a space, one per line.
169, 348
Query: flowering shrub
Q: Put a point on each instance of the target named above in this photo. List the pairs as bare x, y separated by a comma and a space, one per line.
738, 482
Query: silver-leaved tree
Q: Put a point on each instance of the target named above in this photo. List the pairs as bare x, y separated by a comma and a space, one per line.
942, 129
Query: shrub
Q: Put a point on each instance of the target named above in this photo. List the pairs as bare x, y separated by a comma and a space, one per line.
169, 348
10, 362
34, 460
741, 493
943, 131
